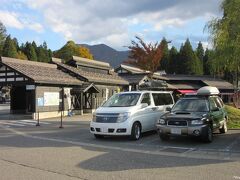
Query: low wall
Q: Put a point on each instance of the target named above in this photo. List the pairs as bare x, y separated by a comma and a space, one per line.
45, 115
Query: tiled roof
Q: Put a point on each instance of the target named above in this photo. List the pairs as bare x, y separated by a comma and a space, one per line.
220, 84
92, 77
91, 63
186, 85
131, 69
134, 78
40, 72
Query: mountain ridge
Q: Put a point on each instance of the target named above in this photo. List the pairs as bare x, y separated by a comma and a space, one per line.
105, 53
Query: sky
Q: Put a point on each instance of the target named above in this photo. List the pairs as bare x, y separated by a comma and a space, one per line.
111, 22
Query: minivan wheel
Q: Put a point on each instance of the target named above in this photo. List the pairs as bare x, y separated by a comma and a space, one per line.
164, 137
208, 135
224, 128
98, 136
136, 131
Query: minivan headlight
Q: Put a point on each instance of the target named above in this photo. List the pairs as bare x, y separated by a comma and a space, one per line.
94, 117
123, 117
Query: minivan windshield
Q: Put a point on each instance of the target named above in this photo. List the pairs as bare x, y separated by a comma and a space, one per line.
122, 100
191, 105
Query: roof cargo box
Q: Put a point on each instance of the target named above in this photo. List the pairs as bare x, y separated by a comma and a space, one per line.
208, 90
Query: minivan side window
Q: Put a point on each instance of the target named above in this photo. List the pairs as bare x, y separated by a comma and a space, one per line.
146, 98
162, 99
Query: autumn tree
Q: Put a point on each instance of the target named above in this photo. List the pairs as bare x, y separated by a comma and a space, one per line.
145, 56
71, 49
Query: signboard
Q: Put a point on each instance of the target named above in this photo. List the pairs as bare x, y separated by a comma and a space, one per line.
30, 87
51, 99
40, 101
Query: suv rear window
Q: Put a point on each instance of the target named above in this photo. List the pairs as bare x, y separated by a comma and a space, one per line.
162, 99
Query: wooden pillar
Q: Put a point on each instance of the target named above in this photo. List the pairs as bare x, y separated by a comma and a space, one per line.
81, 103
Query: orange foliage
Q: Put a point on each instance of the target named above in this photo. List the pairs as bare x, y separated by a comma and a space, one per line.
145, 56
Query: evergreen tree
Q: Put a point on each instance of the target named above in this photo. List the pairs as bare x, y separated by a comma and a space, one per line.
2, 36
9, 48
30, 52
206, 69
189, 64
165, 58
42, 54
173, 61
34, 45
200, 51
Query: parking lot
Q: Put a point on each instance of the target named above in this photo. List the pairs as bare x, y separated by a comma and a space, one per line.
72, 152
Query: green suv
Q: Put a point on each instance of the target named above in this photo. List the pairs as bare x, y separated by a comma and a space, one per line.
195, 115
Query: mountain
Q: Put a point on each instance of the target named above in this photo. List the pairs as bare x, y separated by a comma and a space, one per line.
107, 54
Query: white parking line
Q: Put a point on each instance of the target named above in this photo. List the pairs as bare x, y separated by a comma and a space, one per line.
12, 124
24, 123
34, 121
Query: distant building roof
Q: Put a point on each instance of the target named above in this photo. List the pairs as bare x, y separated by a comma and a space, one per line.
134, 78
137, 72
94, 77
185, 85
131, 69
89, 63
40, 72
220, 84
201, 80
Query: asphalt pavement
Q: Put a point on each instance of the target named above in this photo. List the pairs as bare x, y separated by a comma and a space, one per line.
28, 151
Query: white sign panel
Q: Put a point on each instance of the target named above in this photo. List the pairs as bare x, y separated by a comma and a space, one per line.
51, 98
30, 87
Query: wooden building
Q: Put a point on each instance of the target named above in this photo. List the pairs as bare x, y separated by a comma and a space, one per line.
36, 87
100, 82
137, 77
49, 90
179, 84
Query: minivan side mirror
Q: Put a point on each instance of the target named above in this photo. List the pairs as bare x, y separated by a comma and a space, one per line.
144, 105
168, 108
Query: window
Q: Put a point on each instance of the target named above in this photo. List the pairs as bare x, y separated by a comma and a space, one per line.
213, 104
122, 100
191, 105
162, 99
146, 98
219, 102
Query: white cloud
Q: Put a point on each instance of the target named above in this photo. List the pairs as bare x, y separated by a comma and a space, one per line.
110, 21
18, 21
10, 19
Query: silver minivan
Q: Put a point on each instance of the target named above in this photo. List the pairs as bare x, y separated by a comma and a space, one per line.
130, 113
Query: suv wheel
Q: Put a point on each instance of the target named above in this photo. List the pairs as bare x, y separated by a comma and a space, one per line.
208, 135
164, 137
224, 128
136, 131
98, 136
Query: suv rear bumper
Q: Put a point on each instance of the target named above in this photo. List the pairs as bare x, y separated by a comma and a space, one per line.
181, 131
